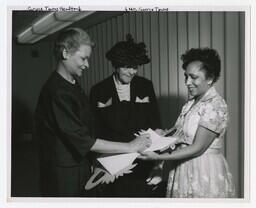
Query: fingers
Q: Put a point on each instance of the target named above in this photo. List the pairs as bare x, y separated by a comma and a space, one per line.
148, 155
165, 148
154, 180
141, 148
160, 132
147, 139
144, 135
148, 180
143, 142
144, 154
142, 157
140, 132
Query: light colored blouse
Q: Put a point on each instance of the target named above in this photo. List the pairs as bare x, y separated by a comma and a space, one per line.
210, 112
123, 90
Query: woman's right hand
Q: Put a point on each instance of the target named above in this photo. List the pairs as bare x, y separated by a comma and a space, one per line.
155, 178
140, 143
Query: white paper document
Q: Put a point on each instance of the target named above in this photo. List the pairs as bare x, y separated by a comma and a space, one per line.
159, 142
116, 163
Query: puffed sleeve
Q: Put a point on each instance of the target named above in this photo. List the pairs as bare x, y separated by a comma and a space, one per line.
214, 116
73, 132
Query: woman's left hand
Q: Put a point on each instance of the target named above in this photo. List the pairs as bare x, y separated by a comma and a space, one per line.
148, 155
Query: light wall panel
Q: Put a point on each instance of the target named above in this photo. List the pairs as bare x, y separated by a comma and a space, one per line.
155, 57
146, 19
173, 60
233, 95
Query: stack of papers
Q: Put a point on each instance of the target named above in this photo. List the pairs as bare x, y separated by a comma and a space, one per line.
114, 164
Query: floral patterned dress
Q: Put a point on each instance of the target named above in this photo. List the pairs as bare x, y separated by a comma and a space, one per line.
208, 175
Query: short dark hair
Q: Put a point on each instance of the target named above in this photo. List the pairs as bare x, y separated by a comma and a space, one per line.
209, 58
71, 39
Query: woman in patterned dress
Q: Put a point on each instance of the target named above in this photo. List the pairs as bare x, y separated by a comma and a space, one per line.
202, 171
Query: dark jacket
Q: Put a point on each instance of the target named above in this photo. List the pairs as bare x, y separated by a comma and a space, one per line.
118, 121
63, 122
63, 131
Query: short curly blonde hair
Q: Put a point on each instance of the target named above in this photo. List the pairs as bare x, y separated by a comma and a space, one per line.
71, 39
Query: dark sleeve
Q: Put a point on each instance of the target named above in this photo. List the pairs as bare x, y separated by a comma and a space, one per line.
154, 114
93, 101
97, 124
71, 130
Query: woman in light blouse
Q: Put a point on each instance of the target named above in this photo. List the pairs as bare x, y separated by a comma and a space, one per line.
202, 171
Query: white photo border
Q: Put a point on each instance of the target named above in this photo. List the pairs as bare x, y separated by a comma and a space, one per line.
247, 6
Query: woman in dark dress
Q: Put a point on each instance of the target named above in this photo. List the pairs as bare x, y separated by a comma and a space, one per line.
63, 122
123, 104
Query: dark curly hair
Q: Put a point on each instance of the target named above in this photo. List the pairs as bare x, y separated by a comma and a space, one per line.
128, 53
209, 58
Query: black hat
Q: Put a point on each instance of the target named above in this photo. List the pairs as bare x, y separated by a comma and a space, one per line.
128, 53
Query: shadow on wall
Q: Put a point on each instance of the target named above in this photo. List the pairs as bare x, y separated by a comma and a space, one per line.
170, 108
22, 120
24, 164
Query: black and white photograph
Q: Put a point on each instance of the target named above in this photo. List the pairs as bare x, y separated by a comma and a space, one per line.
139, 103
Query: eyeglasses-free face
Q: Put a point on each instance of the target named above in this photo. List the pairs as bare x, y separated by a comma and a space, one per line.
125, 74
196, 80
76, 62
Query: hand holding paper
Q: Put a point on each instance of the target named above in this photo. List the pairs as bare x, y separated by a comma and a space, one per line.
116, 164
140, 143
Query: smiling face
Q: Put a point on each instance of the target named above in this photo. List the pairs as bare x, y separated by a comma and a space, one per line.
125, 74
77, 61
196, 80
